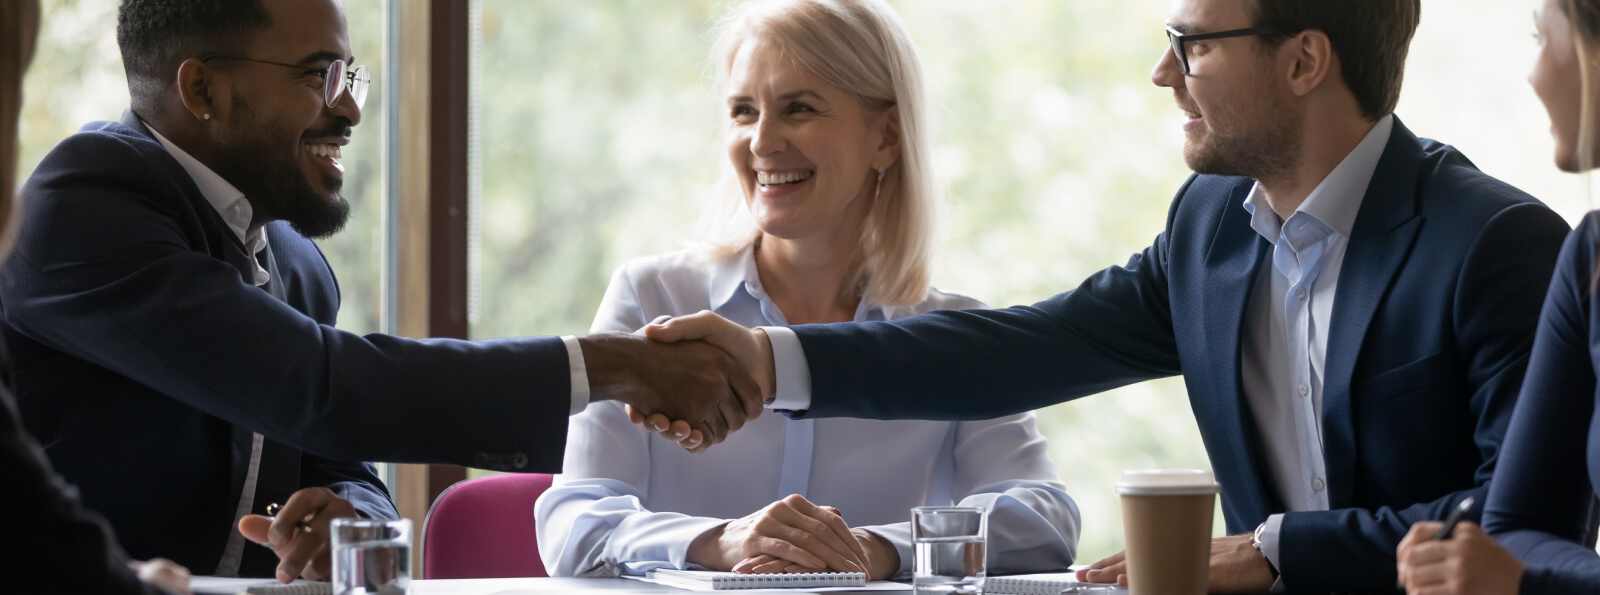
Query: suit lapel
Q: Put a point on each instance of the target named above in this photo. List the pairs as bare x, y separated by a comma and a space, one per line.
1232, 264
1384, 231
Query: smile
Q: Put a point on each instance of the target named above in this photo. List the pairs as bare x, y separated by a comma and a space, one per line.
328, 151
782, 179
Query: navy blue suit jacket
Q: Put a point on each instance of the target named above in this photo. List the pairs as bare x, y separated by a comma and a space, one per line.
1432, 324
145, 361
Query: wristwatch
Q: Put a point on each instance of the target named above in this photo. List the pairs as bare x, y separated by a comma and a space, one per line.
1255, 542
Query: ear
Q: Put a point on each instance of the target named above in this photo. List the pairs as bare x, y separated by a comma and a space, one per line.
1310, 60
888, 124
197, 89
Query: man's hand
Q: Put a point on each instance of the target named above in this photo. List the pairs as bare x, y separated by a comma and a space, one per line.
792, 529
750, 347
694, 382
1470, 562
1236, 567
301, 553
163, 573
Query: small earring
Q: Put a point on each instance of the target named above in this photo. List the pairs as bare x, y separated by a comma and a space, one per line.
880, 174
207, 116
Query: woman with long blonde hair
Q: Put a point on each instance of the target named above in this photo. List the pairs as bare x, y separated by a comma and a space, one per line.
49, 545
1538, 533
828, 217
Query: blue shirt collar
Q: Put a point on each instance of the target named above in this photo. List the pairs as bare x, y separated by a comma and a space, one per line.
735, 277
1337, 199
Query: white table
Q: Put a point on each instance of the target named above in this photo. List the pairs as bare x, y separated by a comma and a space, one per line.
573, 586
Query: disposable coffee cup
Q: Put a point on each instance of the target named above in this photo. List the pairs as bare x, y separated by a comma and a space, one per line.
1166, 522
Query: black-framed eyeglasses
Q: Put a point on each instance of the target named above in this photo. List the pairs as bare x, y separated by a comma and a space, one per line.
1179, 40
335, 78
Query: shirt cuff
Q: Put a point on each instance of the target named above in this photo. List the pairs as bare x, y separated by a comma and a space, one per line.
1269, 548
580, 375
792, 372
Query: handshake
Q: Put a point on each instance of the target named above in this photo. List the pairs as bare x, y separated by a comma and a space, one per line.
694, 379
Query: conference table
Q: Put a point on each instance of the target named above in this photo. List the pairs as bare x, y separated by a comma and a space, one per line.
580, 586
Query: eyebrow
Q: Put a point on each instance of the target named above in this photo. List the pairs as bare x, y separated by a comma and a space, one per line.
323, 56
790, 96
1183, 28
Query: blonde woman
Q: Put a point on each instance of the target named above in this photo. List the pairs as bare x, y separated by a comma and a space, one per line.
1541, 508
827, 219
49, 544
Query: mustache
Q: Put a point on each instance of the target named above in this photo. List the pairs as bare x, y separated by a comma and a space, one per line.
340, 130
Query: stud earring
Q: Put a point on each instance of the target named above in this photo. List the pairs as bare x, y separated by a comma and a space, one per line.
879, 187
207, 116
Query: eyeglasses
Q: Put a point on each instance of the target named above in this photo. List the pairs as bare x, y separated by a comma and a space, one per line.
1179, 39
335, 78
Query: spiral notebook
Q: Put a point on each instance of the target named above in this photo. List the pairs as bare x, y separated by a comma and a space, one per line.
1046, 584
210, 585
705, 580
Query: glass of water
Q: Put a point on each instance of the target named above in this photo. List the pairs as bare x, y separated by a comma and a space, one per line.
371, 556
948, 543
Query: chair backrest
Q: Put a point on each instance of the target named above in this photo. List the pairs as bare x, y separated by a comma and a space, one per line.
484, 528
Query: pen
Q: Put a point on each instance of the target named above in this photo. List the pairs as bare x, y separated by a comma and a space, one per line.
1451, 521
272, 511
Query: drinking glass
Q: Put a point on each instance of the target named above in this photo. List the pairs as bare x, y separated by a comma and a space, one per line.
371, 556
948, 545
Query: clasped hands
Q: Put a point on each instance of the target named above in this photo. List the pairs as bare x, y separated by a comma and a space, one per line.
793, 535
694, 379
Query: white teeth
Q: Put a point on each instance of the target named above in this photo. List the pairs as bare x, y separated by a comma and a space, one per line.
325, 150
766, 179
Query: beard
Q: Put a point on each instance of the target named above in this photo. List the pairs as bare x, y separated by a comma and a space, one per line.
255, 160
1266, 148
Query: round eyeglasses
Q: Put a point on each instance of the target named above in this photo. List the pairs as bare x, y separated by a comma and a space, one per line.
335, 78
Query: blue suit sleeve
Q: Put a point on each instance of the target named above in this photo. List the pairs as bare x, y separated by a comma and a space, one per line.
1113, 330
1540, 506
356, 482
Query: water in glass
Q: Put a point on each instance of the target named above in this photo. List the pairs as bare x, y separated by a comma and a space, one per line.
949, 565
372, 568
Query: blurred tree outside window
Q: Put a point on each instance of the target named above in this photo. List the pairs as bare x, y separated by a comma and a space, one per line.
601, 136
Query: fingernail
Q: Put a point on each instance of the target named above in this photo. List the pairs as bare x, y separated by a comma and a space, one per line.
283, 577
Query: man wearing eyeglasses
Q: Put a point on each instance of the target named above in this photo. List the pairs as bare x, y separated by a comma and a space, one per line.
172, 323
1351, 306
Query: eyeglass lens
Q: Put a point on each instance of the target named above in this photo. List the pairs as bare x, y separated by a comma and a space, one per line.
339, 77
1177, 52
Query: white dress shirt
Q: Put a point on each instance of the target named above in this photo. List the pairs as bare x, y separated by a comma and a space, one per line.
237, 212
630, 501
1286, 341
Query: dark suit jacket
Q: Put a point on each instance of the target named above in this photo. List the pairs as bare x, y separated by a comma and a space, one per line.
1431, 329
50, 544
145, 361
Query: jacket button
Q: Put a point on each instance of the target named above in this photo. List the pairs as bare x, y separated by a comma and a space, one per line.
519, 461
481, 460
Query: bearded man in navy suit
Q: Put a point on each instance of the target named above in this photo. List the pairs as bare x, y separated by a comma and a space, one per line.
1351, 306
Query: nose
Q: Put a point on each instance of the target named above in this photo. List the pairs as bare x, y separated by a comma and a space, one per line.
767, 139
1166, 72
346, 108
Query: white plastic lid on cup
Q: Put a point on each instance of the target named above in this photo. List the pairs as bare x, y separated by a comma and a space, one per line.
1166, 482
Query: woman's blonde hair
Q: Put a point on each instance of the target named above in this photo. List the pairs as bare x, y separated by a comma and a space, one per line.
863, 47
19, 25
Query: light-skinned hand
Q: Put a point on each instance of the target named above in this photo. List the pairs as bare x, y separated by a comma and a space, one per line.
1235, 567
163, 573
1468, 563
883, 559
301, 554
692, 381
792, 529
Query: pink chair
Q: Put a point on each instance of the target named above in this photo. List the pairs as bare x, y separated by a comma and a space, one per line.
484, 528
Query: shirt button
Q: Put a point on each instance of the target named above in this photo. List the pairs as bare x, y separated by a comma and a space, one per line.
1304, 390
1300, 294
1317, 484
